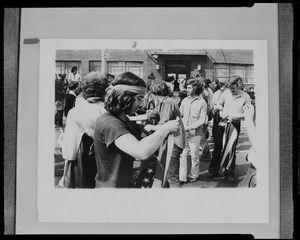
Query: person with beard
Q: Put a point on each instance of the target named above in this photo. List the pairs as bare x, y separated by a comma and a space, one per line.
231, 106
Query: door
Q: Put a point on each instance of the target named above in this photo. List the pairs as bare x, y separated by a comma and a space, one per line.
177, 69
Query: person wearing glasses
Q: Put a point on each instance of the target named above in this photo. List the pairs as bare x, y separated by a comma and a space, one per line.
230, 104
116, 143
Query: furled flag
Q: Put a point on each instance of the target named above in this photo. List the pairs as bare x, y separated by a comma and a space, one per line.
146, 175
160, 160
229, 141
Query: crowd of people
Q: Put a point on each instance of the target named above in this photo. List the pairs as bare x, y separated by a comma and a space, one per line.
112, 122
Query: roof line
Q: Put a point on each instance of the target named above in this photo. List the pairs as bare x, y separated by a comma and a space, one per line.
209, 56
149, 55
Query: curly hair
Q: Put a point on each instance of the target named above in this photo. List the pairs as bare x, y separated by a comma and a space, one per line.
73, 85
206, 82
94, 84
234, 80
197, 84
217, 85
117, 100
74, 68
159, 88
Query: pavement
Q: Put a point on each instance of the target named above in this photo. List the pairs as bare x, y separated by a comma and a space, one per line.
202, 182
241, 166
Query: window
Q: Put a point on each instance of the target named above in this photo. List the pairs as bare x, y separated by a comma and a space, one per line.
116, 68
221, 73
182, 76
64, 67
135, 67
251, 79
238, 72
60, 67
95, 66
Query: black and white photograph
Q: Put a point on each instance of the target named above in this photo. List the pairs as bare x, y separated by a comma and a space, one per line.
154, 117
213, 148
148, 120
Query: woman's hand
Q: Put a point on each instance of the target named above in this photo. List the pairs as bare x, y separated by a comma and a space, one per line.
148, 127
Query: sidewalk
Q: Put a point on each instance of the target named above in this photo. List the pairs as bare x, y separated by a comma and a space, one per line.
240, 169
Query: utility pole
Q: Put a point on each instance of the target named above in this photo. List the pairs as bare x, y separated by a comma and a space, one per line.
104, 57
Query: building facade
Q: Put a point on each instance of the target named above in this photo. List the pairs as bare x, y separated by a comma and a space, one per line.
163, 64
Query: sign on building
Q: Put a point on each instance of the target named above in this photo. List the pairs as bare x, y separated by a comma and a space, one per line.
106, 53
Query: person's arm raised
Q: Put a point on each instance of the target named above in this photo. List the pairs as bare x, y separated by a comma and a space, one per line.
143, 149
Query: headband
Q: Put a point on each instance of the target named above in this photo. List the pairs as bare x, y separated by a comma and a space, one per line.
134, 89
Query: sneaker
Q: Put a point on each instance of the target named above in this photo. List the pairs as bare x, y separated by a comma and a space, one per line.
191, 180
229, 175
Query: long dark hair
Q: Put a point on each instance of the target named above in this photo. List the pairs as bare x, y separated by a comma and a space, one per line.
218, 84
117, 100
160, 88
94, 85
74, 68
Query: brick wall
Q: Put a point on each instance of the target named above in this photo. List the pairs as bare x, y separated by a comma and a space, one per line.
114, 55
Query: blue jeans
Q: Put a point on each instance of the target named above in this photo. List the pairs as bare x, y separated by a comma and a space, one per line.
173, 170
194, 145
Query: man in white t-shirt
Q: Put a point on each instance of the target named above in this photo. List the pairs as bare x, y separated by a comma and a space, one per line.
74, 75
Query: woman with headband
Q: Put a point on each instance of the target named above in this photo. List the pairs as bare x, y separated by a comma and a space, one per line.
115, 140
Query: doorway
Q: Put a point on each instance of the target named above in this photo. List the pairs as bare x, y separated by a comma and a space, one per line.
177, 69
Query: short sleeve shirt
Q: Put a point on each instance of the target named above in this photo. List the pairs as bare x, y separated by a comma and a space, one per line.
114, 167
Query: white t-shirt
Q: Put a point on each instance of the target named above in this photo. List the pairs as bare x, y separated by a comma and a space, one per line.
81, 119
72, 77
